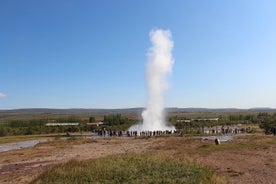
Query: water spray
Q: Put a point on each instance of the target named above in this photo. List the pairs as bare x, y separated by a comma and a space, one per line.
159, 66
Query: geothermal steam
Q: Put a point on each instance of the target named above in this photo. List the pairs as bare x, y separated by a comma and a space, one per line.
159, 66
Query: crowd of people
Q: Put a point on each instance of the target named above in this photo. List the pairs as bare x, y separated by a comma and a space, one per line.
206, 130
105, 133
150, 133
225, 130
119, 133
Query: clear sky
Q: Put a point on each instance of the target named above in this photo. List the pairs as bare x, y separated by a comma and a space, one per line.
93, 53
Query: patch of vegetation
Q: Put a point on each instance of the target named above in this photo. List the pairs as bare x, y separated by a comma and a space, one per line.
244, 119
243, 142
211, 147
10, 139
272, 141
26, 126
13, 124
127, 169
268, 123
59, 142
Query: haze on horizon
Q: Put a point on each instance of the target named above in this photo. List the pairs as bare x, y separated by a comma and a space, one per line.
91, 54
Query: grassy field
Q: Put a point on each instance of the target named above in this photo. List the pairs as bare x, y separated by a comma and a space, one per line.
246, 142
185, 158
248, 158
130, 168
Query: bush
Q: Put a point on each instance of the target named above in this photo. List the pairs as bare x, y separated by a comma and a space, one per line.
3, 131
268, 126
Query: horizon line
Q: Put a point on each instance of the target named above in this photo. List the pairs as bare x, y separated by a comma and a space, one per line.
100, 108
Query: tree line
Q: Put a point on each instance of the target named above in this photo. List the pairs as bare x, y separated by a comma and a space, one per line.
38, 126
266, 121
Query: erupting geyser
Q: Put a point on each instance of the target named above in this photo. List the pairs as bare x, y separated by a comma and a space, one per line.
159, 65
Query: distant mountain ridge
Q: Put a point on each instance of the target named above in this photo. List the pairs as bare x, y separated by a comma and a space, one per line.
137, 110
71, 111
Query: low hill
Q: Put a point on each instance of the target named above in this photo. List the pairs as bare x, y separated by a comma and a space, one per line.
138, 110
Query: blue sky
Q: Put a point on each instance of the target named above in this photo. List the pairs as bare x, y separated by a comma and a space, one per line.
93, 53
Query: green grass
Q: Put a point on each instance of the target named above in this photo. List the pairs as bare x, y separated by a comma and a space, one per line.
209, 148
129, 169
243, 142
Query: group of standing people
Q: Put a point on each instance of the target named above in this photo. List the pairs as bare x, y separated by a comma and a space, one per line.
150, 133
225, 130
119, 133
207, 130
105, 133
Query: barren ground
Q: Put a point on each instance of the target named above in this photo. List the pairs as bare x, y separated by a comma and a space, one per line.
246, 159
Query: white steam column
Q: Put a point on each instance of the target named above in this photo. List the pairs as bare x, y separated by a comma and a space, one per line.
159, 66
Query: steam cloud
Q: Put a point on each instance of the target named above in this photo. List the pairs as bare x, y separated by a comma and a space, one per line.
159, 65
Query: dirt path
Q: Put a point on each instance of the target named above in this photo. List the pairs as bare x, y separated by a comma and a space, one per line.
254, 164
